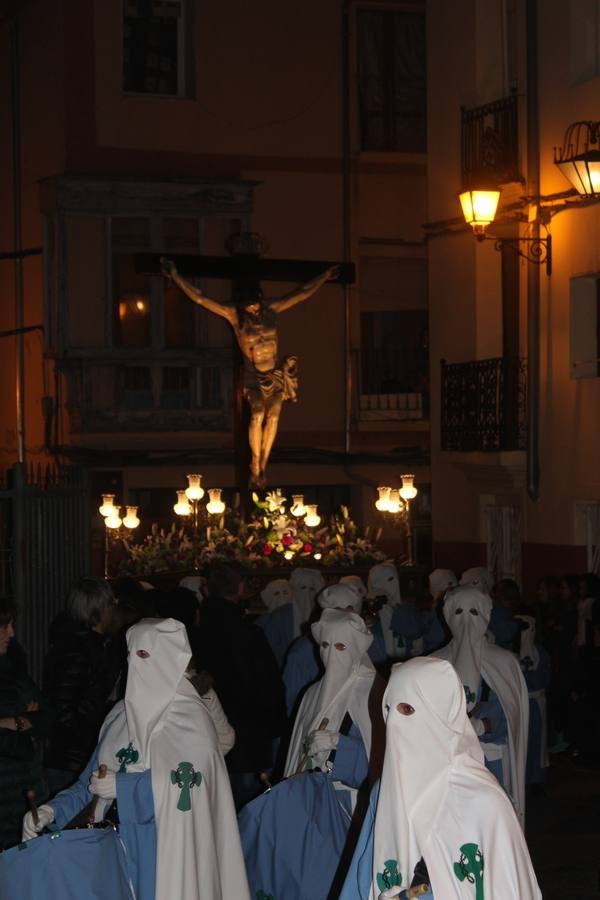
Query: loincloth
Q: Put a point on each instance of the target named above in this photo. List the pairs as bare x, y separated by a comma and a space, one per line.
280, 382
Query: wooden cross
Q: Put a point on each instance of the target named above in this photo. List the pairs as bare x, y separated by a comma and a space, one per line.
244, 270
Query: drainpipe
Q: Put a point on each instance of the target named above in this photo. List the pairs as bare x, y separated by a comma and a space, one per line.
17, 228
533, 271
346, 215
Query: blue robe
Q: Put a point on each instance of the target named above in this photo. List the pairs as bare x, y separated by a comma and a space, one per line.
136, 815
67, 865
406, 626
303, 665
293, 836
537, 680
278, 627
359, 877
503, 627
432, 631
492, 709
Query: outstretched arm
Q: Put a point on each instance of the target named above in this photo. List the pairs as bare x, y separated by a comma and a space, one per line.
305, 291
169, 271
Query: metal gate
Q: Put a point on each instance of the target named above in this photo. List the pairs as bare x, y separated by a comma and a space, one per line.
44, 547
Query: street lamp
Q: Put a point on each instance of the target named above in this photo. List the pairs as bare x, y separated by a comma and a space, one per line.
577, 160
479, 207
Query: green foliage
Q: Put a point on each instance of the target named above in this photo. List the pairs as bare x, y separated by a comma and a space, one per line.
271, 537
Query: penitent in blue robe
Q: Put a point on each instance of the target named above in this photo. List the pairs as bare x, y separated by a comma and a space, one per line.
492, 709
537, 680
406, 627
293, 836
136, 816
278, 627
432, 631
359, 877
303, 665
503, 627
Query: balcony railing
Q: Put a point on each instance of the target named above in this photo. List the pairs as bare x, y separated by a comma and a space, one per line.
129, 393
381, 397
490, 142
484, 405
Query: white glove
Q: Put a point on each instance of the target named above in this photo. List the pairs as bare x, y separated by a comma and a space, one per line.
322, 741
106, 787
45, 817
478, 726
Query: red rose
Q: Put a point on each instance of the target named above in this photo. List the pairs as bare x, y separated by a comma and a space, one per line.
308, 548
267, 549
286, 540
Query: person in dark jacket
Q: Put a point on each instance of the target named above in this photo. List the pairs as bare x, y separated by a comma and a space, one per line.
246, 678
81, 678
23, 720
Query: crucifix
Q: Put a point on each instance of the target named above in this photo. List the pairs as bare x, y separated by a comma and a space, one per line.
263, 379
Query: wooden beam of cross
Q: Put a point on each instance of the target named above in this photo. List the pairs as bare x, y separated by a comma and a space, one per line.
244, 265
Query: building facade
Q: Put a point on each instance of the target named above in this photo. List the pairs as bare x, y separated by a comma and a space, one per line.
167, 127
514, 442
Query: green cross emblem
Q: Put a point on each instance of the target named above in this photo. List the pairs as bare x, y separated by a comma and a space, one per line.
470, 867
471, 697
127, 756
185, 777
390, 877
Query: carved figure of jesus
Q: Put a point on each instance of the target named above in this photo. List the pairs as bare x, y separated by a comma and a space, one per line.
267, 381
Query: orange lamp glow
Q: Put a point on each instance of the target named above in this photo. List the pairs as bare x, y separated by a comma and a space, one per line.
479, 209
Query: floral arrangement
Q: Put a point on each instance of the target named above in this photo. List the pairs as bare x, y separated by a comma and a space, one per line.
272, 536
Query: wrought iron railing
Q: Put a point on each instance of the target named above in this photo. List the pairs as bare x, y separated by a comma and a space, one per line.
484, 405
490, 142
44, 547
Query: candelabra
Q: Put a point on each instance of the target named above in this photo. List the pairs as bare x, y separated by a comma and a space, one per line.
395, 503
114, 523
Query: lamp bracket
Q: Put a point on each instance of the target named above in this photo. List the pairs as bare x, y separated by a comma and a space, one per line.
536, 250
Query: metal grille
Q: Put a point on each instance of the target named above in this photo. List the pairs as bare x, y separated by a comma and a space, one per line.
490, 143
45, 548
484, 405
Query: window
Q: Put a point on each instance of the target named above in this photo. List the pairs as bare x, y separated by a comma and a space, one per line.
175, 393
137, 300
136, 387
393, 362
394, 356
156, 48
132, 318
179, 236
392, 80
210, 391
585, 327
